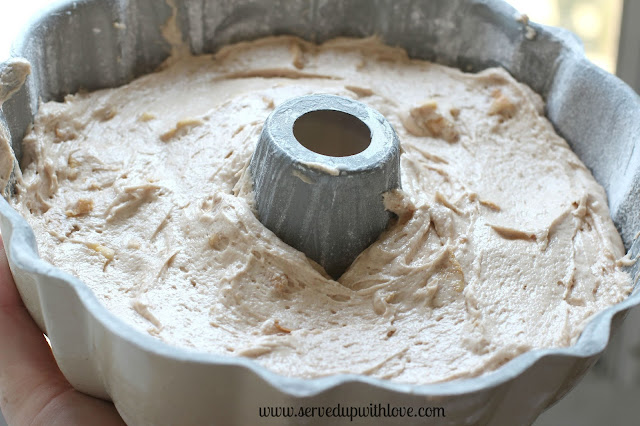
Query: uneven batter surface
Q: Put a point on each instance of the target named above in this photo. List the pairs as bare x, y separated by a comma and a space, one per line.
503, 241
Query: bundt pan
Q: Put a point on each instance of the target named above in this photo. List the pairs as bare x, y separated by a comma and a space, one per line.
75, 44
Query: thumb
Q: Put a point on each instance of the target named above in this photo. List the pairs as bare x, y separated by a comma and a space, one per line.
29, 376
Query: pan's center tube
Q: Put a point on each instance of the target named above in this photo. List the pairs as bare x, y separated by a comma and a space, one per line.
319, 173
332, 133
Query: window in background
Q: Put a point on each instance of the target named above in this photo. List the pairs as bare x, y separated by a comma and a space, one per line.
596, 22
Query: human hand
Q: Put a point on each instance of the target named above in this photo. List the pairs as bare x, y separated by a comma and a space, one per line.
33, 390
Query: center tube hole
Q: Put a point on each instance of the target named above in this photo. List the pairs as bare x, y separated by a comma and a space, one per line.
332, 133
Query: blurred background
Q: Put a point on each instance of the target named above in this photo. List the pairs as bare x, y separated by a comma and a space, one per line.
606, 28
610, 32
596, 22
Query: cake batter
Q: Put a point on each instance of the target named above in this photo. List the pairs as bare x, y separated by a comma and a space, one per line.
502, 243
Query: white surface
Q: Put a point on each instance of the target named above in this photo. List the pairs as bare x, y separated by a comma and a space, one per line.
20, 12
